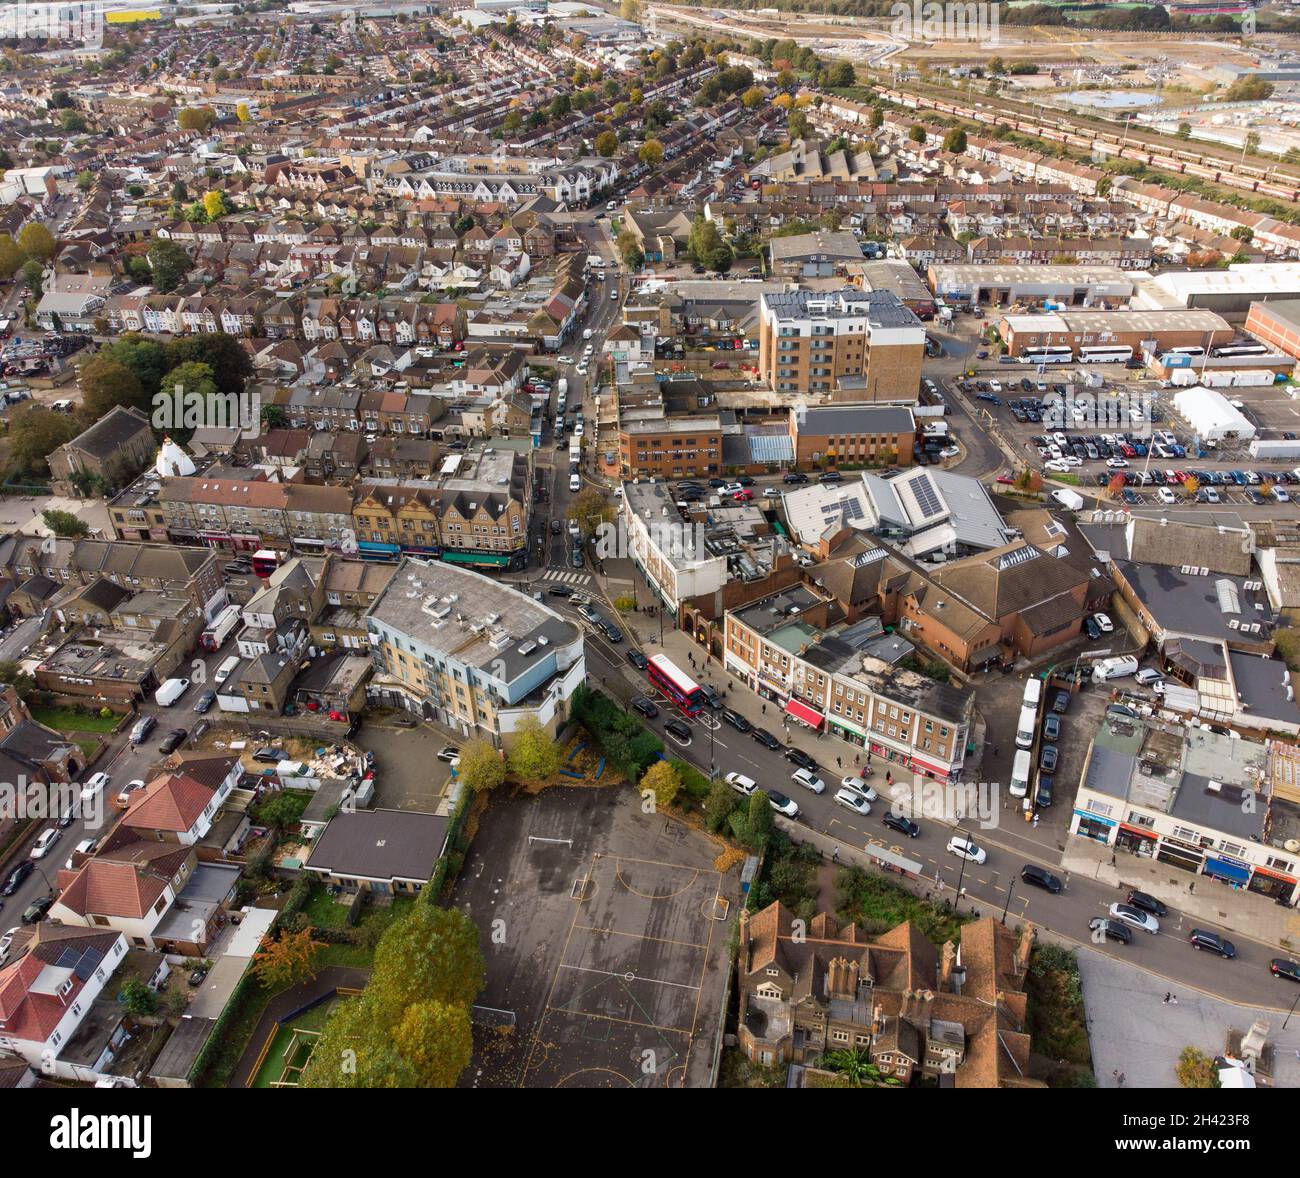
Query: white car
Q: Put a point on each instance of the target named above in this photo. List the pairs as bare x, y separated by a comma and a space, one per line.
42, 846
995, 385
564, 359
84, 847
783, 805
1135, 917
7, 940
741, 784
1071, 460
965, 849
1104, 624
858, 786
1117, 463
94, 785
850, 799
1057, 464
730, 489
1165, 495
809, 780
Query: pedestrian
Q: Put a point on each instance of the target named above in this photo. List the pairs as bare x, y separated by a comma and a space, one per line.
1122, 1078
1173, 999
835, 855
765, 709
1191, 888
1035, 820
889, 777
1115, 1074
1166, 999
838, 763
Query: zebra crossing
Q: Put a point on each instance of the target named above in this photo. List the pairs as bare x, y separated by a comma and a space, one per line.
568, 578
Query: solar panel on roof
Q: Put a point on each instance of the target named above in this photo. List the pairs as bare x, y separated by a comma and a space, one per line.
87, 963
67, 959
927, 498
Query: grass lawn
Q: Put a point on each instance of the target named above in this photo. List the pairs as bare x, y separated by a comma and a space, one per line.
273, 1065
67, 720
323, 910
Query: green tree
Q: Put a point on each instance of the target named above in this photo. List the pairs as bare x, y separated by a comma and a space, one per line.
842, 75
752, 97
481, 767
758, 820
651, 153
106, 382
705, 245
534, 756
229, 363
1195, 1069
11, 257
136, 998
917, 133
196, 118
606, 144
192, 378
85, 179
718, 806
147, 358
955, 140
169, 263
35, 433
280, 811
589, 509
36, 242
629, 249
63, 523
12, 674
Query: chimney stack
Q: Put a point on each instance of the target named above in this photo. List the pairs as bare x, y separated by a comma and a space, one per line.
1024, 946
947, 959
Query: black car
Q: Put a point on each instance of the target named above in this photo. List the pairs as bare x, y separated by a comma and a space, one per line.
205, 702
745, 481
831, 476
1043, 794
1092, 629
736, 720
173, 740
559, 591
1051, 727
645, 707
901, 824
612, 632
271, 755
800, 758
638, 660
238, 568
1112, 930
1283, 967
1147, 903
556, 527
1048, 757
711, 697
1061, 702
37, 909
16, 877
765, 738
197, 975
679, 728
1204, 939
794, 476
1040, 877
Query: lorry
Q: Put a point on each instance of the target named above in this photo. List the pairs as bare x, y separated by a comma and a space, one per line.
214, 637
595, 261
1069, 499
1114, 668
563, 387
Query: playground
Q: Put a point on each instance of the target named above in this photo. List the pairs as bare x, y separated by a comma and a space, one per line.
291, 1046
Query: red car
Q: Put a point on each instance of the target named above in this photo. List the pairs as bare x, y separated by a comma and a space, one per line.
742, 496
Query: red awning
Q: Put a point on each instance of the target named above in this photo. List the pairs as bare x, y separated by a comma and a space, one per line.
805, 714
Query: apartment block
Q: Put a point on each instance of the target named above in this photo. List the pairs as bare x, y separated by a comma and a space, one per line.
850, 345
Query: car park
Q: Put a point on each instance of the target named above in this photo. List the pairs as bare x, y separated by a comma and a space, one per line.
1135, 917
967, 850
1203, 939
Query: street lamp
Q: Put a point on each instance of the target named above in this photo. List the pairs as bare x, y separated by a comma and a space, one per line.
961, 875
1290, 1012
1010, 889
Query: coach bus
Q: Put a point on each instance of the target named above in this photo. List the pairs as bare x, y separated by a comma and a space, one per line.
1110, 355
1183, 352
1240, 349
1053, 355
676, 685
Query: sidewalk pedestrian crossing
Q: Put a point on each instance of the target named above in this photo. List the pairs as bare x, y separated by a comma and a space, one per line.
568, 578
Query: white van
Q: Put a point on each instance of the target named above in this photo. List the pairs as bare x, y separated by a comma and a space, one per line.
1033, 692
1025, 727
1020, 771
1116, 668
63, 406
170, 692
226, 669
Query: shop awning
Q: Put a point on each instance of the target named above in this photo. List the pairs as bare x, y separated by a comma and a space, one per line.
805, 714
483, 558
1224, 869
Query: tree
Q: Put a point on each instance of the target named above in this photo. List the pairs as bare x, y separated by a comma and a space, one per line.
63, 523
560, 106
842, 74
13, 675
918, 133
706, 246
630, 10
215, 205
481, 767
106, 382
1115, 487
137, 998
719, 805
758, 820
651, 153
629, 249
85, 178
1195, 1069
752, 97
11, 257
606, 144
145, 357
876, 119
196, 118
286, 961
36, 242
33, 275
1286, 639
663, 781
589, 509
192, 378
1184, 130
535, 755
280, 810
1242, 233
169, 262
955, 140
35, 433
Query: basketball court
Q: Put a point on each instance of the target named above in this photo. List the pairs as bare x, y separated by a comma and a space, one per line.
624, 1005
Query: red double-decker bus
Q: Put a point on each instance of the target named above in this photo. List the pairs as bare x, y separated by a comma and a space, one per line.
676, 685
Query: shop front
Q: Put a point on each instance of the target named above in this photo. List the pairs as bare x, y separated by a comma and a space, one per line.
804, 714
1180, 855
1136, 841
1232, 872
1273, 884
846, 730
1092, 827
933, 770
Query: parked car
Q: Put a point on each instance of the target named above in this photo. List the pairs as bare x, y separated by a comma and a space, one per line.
1043, 792
1204, 939
1147, 903
1048, 756
645, 707
16, 877
678, 728
1051, 727
901, 824
1040, 877
274, 754
850, 799
173, 740
1279, 967
43, 845
1135, 918
800, 758
196, 976
809, 780
6, 942
638, 660
1112, 930
765, 738
1091, 629
736, 720
965, 849
783, 805
94, 784
141, 729
1061, 702
559, 591
740, 783
36, 910
857, 785
204, 703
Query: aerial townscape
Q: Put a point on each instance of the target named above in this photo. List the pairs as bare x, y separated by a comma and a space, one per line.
621, 544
